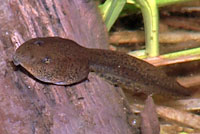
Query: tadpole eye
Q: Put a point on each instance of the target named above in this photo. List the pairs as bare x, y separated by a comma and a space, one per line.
38, 42
46, 60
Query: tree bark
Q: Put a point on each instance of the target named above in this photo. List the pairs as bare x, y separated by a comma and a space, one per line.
28, 106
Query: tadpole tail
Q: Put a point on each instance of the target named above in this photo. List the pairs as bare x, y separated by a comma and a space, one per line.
132, 73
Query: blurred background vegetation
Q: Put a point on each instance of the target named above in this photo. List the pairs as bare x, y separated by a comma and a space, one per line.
161, 32
163, 22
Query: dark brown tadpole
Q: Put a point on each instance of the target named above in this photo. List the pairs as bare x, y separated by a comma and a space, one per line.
64, 62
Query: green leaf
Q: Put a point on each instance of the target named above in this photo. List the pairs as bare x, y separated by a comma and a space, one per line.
110, 11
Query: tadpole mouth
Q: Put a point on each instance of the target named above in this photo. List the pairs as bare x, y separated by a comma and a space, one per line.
15, 60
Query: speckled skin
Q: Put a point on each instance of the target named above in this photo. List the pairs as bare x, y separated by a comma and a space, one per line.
53, 60
64, 62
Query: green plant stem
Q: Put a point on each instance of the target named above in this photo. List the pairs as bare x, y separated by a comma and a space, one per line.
189, 52
194, 53
150, 17
161, 3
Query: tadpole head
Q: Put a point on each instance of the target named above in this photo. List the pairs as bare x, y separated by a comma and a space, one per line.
52, 60
22, 55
